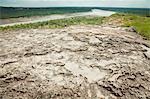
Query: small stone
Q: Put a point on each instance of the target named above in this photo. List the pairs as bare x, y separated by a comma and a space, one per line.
33, 67
94, 41
60, 64
147, 54
131, 29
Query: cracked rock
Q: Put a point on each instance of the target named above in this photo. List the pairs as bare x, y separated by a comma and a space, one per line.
76, 62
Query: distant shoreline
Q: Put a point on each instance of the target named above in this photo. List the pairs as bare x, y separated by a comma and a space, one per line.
25, 20
15, 12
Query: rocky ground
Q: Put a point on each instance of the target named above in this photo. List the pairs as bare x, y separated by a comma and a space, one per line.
77, 62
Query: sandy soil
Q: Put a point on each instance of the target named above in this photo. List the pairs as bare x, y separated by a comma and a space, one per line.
77, 62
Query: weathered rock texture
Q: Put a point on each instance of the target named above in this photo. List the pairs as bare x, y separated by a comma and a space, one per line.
78, 62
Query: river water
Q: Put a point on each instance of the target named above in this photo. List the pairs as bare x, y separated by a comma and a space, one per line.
34, 19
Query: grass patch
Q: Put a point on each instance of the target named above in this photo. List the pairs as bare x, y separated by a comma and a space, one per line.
140, 23
60, 23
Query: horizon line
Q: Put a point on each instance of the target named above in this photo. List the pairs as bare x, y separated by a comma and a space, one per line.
72, 7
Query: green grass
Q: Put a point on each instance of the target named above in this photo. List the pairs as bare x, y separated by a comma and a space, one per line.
60, 23
140, 23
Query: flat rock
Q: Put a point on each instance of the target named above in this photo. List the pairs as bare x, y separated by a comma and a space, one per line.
85, 62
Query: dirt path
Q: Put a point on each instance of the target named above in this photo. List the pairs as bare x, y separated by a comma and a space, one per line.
77, 62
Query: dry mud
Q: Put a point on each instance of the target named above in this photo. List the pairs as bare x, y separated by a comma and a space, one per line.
77, 62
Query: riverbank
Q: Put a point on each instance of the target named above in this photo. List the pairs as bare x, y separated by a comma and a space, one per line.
15, 12
35, 19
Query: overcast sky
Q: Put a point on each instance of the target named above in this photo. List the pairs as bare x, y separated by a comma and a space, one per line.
82, 3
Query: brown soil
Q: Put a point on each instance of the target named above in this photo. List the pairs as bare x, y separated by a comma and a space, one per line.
77, 62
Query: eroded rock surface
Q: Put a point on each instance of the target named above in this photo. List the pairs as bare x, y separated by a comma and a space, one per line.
85, 62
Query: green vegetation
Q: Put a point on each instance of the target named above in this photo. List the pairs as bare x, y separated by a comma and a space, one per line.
140, 23
60, 23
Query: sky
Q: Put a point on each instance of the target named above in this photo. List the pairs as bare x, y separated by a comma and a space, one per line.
76, 3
